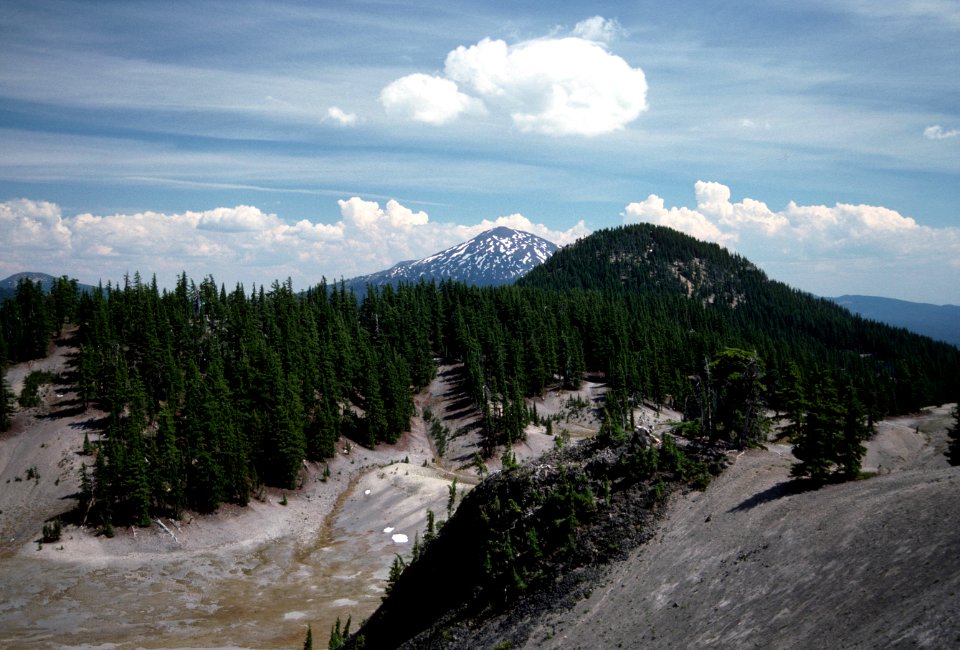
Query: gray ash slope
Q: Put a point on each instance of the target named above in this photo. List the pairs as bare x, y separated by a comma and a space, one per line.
492, 258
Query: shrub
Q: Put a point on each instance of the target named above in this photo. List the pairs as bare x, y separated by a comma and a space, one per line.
52, 531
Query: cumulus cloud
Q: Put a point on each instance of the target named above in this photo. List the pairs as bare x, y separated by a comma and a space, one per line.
519, 222
936, 132
241, 243
37, 224
842, 248
599, 29
243, 218
554, 86
341, 117
426, 98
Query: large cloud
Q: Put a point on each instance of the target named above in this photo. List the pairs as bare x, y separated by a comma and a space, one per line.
844, 248
555, 86
238, 244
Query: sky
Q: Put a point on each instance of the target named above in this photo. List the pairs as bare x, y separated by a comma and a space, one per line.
256, 141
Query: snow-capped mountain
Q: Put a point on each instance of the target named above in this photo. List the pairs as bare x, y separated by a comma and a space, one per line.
494, 257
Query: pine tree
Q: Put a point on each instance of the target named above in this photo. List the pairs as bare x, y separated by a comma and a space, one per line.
396, 569
854, 432
291, 447
953, 435
828, 444
737, 377
6, 403
168, 471
815, 446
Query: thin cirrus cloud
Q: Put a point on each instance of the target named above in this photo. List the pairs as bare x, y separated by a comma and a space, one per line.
238, 244
555, 86
828, 249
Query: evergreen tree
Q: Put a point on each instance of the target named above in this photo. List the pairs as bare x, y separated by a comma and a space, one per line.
168, 471
854, 432
815, 445
953, 436
6, 403
828, 444
737, 376
64, 301
395, 570
288, 429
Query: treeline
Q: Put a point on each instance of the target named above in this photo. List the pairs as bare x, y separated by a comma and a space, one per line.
212, 394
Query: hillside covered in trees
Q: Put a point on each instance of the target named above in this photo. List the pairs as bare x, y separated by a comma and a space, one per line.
210, 393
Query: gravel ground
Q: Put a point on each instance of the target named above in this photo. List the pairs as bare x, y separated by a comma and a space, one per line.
750, 563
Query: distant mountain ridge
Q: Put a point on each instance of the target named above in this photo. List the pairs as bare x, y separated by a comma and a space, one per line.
494, 257
940, 322
8, 286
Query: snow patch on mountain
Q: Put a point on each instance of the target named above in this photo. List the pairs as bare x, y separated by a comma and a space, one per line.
494, 257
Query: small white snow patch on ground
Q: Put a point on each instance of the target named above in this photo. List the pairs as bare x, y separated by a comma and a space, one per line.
366, 492
294, 616
388, 529
399, 538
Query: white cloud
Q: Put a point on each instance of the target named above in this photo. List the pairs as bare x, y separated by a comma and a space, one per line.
831, 250
936, 132
243, 218
368, 216
37, 224
305, 229
341, 117
554, 86
519, 222
238, 244
598, 29
651, 210
425, 98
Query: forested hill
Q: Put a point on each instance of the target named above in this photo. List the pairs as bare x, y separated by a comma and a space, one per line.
723, 297
649, 259
8, 286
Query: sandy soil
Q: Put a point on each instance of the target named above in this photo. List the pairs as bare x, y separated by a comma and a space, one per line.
750, 563
243, 577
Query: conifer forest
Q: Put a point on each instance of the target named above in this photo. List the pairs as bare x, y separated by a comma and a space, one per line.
210, 393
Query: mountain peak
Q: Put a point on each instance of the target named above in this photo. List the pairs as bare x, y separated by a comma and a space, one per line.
494, 257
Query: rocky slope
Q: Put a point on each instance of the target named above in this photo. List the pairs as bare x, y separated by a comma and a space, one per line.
749, 563
752, 561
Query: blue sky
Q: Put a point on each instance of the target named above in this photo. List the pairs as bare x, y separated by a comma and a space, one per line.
260, 140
